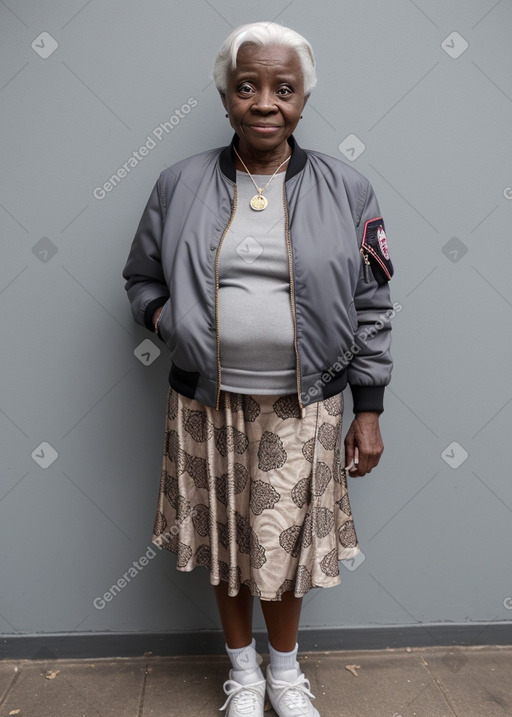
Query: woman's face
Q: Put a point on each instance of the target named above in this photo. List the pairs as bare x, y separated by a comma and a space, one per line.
265, 96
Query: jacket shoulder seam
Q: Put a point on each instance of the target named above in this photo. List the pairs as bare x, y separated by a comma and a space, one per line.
358, 181
161, 198
363, 196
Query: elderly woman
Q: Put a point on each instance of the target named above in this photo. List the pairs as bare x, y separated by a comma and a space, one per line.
264, 269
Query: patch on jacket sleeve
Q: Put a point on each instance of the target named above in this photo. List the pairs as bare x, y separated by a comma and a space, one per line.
375, 250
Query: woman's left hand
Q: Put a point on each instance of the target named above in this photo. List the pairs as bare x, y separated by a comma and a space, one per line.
363, 443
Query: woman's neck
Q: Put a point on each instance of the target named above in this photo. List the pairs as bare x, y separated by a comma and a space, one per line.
262, 162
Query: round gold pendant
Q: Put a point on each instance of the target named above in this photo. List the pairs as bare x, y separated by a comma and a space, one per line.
259, 202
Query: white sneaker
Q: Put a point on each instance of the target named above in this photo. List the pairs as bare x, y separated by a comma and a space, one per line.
244, 700
291, 698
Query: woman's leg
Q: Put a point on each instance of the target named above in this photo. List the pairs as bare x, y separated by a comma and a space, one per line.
282, 619
235, 614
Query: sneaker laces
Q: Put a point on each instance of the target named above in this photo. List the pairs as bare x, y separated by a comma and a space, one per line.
245, 697
293, 694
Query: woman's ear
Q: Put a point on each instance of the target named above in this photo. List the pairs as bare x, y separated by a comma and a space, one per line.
223, 99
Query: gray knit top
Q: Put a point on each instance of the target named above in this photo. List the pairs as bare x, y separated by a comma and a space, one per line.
255, 320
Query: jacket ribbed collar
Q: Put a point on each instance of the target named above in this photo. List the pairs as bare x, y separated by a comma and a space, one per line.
295, 165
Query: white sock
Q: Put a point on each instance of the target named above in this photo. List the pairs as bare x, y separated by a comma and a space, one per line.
282, 663
246, 663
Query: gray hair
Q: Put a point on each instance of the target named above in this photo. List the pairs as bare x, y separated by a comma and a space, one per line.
264, 34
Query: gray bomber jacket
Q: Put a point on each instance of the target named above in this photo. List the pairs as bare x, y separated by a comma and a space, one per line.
341, 312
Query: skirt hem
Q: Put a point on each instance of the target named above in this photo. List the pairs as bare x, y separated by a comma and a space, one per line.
217, 580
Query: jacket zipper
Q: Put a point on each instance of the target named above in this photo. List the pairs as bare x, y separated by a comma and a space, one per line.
366, 265
217, 257
292, 301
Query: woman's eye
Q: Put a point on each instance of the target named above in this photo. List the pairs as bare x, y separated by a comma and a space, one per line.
284, 91
245, 88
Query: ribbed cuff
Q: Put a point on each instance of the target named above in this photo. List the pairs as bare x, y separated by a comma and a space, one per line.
150, 310
368, 398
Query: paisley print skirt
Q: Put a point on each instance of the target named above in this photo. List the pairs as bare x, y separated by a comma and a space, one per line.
255, 493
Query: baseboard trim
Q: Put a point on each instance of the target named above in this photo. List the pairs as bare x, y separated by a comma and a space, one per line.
115, 644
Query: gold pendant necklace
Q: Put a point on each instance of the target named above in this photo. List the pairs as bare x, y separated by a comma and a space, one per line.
259, 202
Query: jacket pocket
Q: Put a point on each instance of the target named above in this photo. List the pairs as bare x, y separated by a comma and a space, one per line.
165, 328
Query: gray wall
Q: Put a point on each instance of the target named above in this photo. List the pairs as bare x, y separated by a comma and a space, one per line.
436, 535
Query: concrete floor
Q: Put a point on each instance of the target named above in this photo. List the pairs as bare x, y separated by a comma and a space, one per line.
422, 682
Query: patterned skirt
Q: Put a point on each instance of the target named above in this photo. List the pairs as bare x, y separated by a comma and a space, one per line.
255, 493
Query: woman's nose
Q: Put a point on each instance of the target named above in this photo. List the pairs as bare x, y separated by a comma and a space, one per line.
264, 101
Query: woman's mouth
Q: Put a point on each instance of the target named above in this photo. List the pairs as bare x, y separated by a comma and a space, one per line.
264, 128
